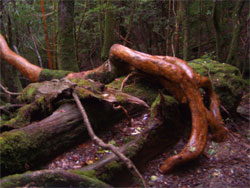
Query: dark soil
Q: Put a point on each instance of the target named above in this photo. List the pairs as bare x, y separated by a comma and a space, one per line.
224, 164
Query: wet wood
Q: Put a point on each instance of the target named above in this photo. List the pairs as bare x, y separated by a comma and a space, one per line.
29, 70
38, 142
176, 73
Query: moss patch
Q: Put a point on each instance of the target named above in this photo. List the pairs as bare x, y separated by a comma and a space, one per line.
28, 93
140, 88
14, 149
47, 74
226, 79
23, 116
169, 103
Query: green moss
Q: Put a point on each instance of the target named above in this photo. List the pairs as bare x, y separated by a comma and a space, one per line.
141, 89
86, 84
84, 93
47, 74
226, 79
110, 169
28, 93
23, 116
15, 147
120, 98
116, 84
51, 179
169, 102
89, 173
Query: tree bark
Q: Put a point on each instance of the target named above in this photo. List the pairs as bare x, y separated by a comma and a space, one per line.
64, 128
232, 57
217, 30
109, 30
45, 28
185, 20
65, 41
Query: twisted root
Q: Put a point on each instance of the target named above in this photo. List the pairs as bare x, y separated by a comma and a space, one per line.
176, 76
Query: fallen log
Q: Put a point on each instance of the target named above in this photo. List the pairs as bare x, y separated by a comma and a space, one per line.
26, 147
109, 168
51, 178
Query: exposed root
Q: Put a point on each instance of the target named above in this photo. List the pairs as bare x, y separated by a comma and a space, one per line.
184, 84
126, 79
29, 70
125, 112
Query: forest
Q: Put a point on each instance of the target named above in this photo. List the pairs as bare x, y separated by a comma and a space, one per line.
124, 93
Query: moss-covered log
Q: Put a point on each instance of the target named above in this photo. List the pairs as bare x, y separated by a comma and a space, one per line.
51, 178
26, 147
140, 148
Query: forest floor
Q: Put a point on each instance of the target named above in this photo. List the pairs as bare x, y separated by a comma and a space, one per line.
224, 164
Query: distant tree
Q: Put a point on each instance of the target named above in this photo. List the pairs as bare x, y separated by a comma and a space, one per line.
109, 30
185, 25
217, 29
232, 56
65, 41
45, 28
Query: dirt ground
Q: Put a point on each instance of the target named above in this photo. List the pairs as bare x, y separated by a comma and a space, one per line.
222, 165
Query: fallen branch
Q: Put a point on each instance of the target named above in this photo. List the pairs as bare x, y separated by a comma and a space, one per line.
125, 112
8, 92
99, 142
11, 106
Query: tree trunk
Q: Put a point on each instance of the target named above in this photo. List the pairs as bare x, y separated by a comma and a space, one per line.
65, 42
77, 32
232, 57
44, 139
109, 30
216, 26
54, 35
177, 21
200, 28
185, 25
45, 28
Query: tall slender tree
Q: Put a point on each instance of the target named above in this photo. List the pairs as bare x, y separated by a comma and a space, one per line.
109, 29
217, 29
65, 41
185, 21
46, 34
232, 56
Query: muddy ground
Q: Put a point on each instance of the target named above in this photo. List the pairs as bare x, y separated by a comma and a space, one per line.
222, 165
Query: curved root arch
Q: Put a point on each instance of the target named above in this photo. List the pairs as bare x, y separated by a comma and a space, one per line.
176, 76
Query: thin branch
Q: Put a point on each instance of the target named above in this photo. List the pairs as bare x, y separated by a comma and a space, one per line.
11, 106
8, 92
125, 112
121, 37
36, 50
126, 79
99, 142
